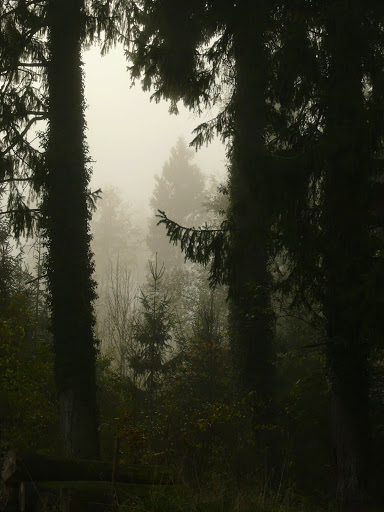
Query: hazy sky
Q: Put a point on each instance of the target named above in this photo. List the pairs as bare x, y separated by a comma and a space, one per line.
129, 136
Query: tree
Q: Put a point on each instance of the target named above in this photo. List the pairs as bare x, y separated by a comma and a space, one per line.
63, 179
180, 190
330, 237
66, 230
116, 239
152, 332
117, 329
298, 145
347, 248
176, 59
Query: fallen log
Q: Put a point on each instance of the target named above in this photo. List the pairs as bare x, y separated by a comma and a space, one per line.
84, 495
40, 468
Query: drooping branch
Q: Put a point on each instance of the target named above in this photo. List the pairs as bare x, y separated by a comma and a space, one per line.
201, 245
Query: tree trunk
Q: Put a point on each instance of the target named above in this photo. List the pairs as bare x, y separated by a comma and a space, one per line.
346, 247
251, 318
70, 263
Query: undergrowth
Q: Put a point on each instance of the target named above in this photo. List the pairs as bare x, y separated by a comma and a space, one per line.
218, 495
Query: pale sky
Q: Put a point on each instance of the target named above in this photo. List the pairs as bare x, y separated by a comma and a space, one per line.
129, 136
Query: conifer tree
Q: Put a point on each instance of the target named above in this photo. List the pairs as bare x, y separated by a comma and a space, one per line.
66, 229
347, 248
152, 333
63, 179
180, 190
174, 60
331, 233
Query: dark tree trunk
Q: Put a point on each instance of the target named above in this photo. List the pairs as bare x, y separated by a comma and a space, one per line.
346, 247
251, 318
67, 233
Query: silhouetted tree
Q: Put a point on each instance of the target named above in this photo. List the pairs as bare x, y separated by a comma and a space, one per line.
66, 229
169, 54
116, 239
180, 190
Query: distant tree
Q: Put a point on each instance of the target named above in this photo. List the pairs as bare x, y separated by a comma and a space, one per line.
117, 329
152, 332
8, 266
116, 240
207, 349
180, 191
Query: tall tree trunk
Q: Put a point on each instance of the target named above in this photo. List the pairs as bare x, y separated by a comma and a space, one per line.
72, 288
251, 318
346, 246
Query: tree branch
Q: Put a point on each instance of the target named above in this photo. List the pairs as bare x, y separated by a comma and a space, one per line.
43, 276
12, 180
21, 135
8, 212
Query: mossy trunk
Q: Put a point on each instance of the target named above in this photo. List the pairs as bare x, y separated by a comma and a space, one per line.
72, 289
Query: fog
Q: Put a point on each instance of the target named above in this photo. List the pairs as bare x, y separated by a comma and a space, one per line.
129, 136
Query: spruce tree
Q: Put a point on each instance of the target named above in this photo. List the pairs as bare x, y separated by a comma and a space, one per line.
250, 215
152, 333
179, 189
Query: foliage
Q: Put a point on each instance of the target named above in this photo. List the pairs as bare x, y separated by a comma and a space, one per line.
179, 189
202, 245
152, 330
22, 105
28, 401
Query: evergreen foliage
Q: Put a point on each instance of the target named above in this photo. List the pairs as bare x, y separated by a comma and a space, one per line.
306, 134
201, 245
60, 174
299, 86
27, 392
221, 50
152, 331
180, 190
22, 104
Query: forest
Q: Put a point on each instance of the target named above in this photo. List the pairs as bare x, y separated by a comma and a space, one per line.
225, 354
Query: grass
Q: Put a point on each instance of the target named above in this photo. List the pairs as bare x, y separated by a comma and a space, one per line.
218, 495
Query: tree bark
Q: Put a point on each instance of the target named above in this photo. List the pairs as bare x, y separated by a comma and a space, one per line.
250, 309
70, 263
346, 247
